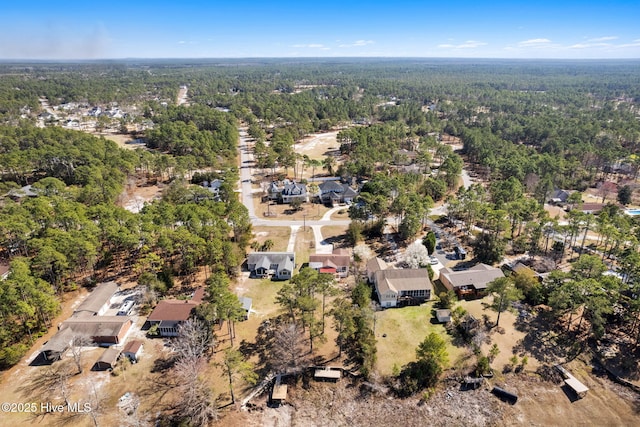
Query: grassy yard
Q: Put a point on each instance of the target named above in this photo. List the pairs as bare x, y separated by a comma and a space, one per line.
341, 214
278, 235
405, 328
305, 242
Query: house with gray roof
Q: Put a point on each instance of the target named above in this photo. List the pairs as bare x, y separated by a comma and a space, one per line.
294, 191
279, 265
472, 282
332, 192
287, 192
396, 287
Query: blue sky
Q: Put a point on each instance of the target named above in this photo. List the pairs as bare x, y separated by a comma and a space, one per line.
241, 28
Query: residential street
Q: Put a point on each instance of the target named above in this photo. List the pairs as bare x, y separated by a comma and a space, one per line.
246, 162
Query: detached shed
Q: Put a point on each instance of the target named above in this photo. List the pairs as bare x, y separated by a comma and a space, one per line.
443, 315
132, 350
579, 388
247, 304
572, 382
279, 392
327, 374
108, 359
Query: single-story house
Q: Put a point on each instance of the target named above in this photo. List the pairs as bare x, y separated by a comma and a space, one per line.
169, 315
470, 283
213, 187
404, 157
247, 303
332, 192
520, 268
132, 350
279, 265
108, 359
98, 301
592, 208
399, 286
559, 197
102, 330
336, 263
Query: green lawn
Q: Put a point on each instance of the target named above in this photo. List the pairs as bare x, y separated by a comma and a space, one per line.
405, 328
263, 294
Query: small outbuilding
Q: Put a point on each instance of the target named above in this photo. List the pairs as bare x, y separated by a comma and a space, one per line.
108, 359
247, 303
443, 315
327, 374
578, 388
132, 350
279, 392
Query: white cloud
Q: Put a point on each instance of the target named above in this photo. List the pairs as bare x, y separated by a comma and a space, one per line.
589, 45
469, 44
635, 43
311, 46
358, 43
534, 42
603, 39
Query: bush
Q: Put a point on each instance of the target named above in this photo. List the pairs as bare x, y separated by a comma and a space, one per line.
483, 366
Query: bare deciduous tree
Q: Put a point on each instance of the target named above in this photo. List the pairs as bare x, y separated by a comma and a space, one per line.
195, 340
77, 343
195, 402
287, 351
48, 382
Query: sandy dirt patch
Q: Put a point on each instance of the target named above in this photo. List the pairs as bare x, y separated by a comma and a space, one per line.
134, 196
123, 141
316, 146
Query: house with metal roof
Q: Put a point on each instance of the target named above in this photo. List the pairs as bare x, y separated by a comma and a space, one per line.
98, 301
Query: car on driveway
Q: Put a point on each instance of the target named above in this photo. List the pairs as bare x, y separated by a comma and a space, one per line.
433, 260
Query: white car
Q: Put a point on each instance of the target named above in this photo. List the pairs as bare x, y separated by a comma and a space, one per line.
433, 260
